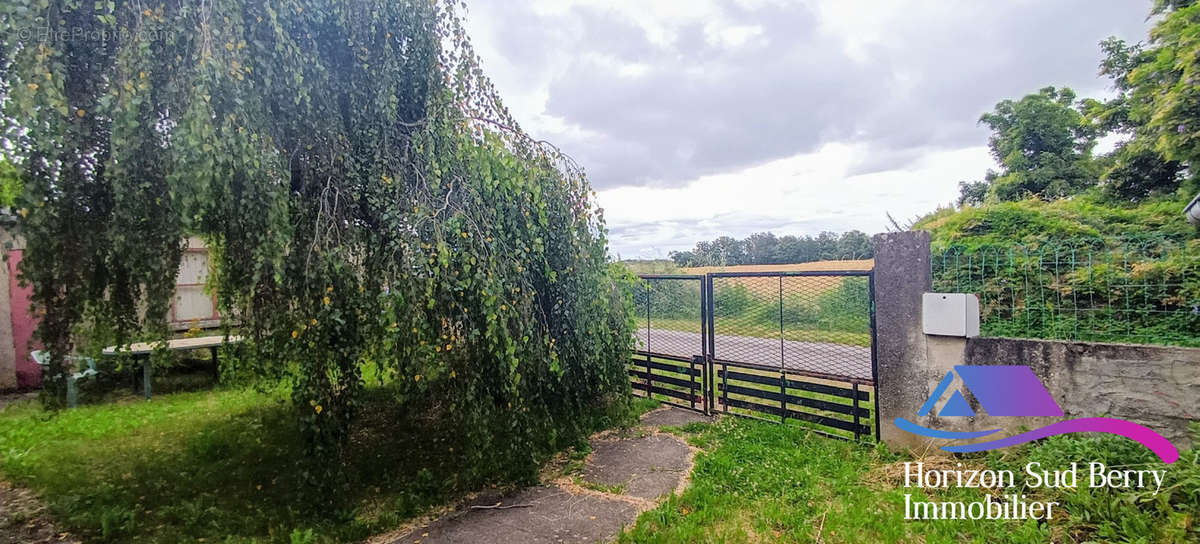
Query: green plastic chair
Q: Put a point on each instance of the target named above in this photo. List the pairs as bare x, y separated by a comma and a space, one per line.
87, 364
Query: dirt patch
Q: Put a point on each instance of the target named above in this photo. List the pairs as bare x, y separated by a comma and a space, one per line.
8, 399
670, 417
23, 518
891, 475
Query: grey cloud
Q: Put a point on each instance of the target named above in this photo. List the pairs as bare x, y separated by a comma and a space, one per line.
701, 108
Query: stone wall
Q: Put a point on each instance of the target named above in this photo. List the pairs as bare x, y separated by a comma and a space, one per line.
1156, 386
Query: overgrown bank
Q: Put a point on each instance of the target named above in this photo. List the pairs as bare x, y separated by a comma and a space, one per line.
1084, 268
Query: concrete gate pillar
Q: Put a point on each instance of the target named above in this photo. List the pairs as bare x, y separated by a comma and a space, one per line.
902, 275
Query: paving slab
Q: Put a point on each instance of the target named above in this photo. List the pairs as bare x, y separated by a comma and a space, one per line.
647, 467
673, 417
642, 466
554, 515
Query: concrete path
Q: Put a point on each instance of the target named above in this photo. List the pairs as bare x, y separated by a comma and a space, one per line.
825, 357
626, 474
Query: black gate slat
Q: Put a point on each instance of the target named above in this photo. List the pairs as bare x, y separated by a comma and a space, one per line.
828, 390
828, 406
754, 378
792, 399
659, 378
795, 384
754, 406
829, 422
641, 356
666, 368
803, 416
668, 392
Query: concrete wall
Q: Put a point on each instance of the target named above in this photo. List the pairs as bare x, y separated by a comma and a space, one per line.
1156, 386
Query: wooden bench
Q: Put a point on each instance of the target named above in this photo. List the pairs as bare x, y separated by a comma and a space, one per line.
142, 351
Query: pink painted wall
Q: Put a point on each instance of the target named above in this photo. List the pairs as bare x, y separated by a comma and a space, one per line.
29, 375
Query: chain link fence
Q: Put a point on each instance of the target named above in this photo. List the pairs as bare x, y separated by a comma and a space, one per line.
792, 347
669, 315
812, 323
1133, 290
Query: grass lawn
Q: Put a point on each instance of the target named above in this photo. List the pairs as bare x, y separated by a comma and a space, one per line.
729, 327
225, 466
763, 482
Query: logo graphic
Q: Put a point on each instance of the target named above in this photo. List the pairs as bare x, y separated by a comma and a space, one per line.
1014, 391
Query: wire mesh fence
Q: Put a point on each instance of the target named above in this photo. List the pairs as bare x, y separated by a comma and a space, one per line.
1144, 290
815, 323
669, 315
791, 347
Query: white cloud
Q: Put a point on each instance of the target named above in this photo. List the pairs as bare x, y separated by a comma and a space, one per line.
699, 118
804, 194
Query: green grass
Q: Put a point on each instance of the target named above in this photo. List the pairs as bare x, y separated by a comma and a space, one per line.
728, 327
228, 466
615, 489
763, 482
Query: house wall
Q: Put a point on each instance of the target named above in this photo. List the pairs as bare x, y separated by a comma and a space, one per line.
21, 326
190, 308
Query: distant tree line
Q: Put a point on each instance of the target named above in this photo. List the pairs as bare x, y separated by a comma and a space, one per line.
766, 248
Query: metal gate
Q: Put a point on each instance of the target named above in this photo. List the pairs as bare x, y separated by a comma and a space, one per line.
669, 361
785, 346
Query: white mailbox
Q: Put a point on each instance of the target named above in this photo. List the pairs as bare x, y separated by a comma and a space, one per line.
951, 314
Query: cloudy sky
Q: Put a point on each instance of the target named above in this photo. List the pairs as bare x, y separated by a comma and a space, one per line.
699, 118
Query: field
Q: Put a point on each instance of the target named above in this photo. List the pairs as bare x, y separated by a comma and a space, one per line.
862, 264
822, 311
